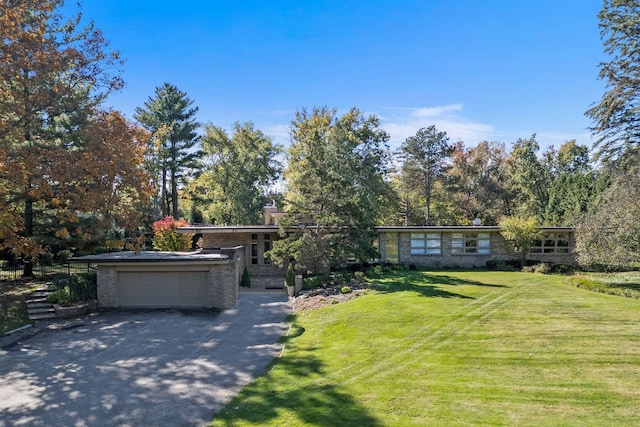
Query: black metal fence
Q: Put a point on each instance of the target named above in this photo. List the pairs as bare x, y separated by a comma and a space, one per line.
16, 271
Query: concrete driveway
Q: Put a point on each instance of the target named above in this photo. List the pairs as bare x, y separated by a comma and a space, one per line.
139, 368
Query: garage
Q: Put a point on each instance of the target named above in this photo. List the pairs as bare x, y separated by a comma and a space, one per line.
162, 289
151, 279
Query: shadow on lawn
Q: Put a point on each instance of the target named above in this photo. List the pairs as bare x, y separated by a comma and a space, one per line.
428, 285
310, 400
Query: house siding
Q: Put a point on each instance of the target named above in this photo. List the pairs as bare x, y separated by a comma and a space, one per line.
218, 241
500, 250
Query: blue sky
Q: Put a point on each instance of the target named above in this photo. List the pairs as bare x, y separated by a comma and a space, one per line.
494, 70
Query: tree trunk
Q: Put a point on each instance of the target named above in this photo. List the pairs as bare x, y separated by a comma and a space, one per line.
165, 207
428, 191
28, 232
174, 194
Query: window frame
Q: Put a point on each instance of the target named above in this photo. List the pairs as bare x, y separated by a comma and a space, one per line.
267, 246
392, 238
426, 244
471, 243
552, 242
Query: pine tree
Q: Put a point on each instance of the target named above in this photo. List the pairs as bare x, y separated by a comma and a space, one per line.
617, 116
173, 148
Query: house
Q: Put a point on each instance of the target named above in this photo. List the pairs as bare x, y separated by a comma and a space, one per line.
468, 247
423, 246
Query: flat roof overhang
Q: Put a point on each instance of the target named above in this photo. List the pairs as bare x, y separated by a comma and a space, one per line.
152, 257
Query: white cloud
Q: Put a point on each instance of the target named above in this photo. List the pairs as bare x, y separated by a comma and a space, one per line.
402, 123
278, 132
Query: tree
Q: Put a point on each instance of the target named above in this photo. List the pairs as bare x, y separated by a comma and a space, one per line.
476, 183
521, 233
530, 178
53, 76
335, 188
424, 157
608, 235
572, 184
170, 117
237, 173
617, 116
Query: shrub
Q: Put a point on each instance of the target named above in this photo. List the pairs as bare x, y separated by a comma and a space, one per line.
61, 297
345, 290
502, 265
542, 268
245, 281
167, 238
290, 278
74, 289
561, 268
64, 255
46, 258
359, 276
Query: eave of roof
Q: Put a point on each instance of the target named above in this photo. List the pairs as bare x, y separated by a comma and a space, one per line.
219, 229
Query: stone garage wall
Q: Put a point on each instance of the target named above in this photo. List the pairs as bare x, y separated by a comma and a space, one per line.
224, 273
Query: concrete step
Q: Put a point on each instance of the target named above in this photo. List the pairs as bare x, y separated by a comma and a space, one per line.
46, 309
37, 301
38, 305
42, 316
39, 294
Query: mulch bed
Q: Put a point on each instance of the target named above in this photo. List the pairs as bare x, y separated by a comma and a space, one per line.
311, 299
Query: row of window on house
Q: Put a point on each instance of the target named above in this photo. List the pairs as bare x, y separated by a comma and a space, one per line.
471, 243
431, 244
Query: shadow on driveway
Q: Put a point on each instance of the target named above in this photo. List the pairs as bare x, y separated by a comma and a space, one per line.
140, 368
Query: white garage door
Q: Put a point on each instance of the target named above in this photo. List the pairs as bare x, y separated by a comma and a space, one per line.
162, 289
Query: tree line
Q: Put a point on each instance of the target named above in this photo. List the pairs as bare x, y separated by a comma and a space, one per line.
76, 175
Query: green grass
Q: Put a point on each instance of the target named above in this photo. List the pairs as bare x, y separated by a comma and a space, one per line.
13, 302
454, 348
621, 284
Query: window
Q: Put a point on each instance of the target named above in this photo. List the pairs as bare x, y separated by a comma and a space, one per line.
267, 247
552, 243
426, 244
254, 249
471, 243
392, 247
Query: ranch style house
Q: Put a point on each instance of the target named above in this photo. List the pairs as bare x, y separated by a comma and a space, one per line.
422, 246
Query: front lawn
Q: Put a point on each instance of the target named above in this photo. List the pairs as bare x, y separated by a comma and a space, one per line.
13, 302
455, 348
623, 284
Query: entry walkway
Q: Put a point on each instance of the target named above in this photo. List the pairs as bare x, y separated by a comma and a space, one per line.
140, 368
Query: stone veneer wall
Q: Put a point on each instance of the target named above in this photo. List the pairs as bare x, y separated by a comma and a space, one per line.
216, 241
224, 282
107, 285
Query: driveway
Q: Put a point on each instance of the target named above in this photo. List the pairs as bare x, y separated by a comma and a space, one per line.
139, 368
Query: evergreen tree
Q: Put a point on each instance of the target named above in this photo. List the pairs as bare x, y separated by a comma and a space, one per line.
424, 156
617, 116
173, 148
572, 185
